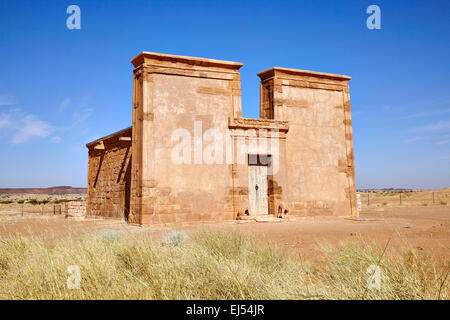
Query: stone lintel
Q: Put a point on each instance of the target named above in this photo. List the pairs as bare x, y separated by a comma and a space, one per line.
248, 123
303, 75
184, 62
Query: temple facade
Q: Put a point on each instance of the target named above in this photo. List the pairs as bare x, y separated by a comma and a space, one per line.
190, 155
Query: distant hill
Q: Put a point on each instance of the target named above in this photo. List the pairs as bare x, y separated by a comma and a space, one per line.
399, 190
51, 190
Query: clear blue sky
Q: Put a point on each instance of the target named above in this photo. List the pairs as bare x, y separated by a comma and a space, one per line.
61, 88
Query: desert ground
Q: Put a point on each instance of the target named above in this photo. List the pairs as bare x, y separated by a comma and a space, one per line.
417, 236
426, 229
417, 223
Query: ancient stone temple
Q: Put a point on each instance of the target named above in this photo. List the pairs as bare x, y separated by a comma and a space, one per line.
191, 156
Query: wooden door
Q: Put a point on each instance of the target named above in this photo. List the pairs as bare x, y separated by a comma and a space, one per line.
258, 192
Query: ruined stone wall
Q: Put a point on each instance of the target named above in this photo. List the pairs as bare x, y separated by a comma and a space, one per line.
319, 145
109, 177
76, 209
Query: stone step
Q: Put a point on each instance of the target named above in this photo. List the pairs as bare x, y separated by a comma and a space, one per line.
263, 218
268, 219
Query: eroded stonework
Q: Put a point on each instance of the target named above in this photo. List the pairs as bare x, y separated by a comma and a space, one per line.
296, 160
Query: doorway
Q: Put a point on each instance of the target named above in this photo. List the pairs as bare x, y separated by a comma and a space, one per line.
258, 184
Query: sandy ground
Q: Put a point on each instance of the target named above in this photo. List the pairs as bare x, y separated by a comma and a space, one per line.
425, 228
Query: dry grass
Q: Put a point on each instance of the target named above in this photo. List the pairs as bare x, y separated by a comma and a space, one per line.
209, 265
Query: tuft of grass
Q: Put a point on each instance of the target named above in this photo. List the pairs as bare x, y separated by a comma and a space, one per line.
208, 265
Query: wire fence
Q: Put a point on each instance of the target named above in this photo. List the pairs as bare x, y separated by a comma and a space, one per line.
35, 210
409, 198
368, 200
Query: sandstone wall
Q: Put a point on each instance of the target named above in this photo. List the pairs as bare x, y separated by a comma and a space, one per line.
109, 176
260, 137
319, 145
192, 95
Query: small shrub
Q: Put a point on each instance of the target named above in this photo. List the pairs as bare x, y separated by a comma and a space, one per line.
33, 201
109, 236
175, 239
58, 201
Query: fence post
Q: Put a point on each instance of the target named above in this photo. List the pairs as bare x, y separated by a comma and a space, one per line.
42, 210
433, 197
368, 198
22, 209
400, 198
